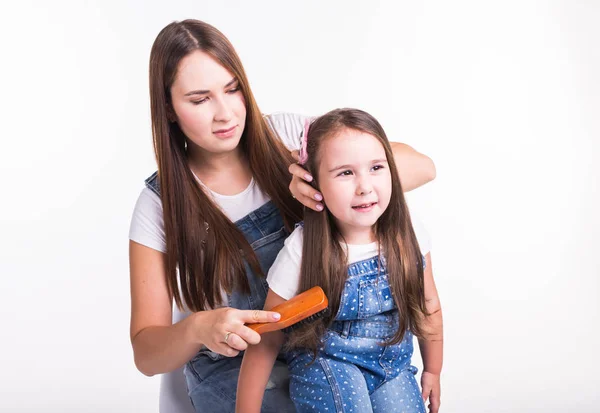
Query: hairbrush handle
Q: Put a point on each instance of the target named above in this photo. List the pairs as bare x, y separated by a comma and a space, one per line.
294, 310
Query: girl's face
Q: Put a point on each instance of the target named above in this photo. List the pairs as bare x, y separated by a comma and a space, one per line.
208, 104
355, 180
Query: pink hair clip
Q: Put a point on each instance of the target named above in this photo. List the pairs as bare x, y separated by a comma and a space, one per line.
303, 154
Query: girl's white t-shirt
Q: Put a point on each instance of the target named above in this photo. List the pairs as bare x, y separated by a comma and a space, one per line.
284, 274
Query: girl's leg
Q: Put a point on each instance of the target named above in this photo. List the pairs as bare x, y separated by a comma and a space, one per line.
212, 386
400, 395
327, 386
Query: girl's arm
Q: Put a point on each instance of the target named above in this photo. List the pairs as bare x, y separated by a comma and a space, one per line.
432, 345
415, 169
257, 365
160, 346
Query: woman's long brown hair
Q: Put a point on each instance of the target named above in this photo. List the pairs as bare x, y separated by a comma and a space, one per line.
202, 243
324, 260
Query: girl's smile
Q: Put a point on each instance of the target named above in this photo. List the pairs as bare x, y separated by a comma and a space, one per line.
362, 208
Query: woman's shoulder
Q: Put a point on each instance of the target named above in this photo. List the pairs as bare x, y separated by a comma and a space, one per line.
153, 183
147, 227
288, 126
283, 116
148, 197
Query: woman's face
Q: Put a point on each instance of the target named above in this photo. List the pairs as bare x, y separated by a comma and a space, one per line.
208, 104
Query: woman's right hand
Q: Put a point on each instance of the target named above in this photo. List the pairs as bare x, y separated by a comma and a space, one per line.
301, 189
223, 330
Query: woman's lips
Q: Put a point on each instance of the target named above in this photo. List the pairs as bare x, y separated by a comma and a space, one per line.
225, 133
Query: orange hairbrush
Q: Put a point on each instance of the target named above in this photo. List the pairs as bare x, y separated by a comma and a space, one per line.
305, 307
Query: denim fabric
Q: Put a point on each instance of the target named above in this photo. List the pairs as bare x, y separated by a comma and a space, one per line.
353, 371
212, 378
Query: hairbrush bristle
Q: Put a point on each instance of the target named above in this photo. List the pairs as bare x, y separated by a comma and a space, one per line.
307, 320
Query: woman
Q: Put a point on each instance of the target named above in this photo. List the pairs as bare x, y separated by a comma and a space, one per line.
210, 223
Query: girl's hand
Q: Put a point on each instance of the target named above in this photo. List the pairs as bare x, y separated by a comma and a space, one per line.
303, 192
223, 330
430, 383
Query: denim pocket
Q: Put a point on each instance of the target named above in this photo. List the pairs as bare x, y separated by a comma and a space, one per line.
368, 297
267, 239
375, 296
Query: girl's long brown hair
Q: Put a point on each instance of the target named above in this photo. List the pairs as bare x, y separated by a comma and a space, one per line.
324, 261
202, 243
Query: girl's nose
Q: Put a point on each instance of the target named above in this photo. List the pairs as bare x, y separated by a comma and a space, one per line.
364, 188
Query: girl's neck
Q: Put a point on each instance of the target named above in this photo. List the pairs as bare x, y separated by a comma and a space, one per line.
359, 236
224, 173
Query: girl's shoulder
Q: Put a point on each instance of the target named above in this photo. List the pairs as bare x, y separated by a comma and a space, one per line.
295, 239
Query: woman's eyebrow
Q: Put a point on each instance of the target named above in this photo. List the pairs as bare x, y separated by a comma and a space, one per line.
204, 92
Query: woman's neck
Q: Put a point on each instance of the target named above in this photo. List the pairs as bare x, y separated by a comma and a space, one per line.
224, 173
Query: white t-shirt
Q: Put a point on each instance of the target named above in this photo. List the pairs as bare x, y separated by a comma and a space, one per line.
284, 274
147, 228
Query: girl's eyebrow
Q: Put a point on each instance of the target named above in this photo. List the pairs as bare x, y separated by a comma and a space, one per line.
350, 166
340, 167
204, 92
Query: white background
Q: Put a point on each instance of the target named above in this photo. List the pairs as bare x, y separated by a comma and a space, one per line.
504, 96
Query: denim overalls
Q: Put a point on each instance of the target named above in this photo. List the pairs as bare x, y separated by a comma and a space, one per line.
212, 378
353, 372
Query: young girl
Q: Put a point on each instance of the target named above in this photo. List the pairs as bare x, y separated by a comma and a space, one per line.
211, 221
365, 255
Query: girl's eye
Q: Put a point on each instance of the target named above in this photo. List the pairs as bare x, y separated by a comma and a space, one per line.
377, 167
345, 173
197, 102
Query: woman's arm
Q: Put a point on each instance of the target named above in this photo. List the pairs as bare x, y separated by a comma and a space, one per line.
257, 365
432, 345
415, 169
160, 346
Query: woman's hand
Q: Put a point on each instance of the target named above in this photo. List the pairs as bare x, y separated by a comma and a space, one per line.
430, 383
223, 330
303, 192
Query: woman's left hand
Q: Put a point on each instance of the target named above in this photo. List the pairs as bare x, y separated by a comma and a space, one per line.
301, 190
430, 383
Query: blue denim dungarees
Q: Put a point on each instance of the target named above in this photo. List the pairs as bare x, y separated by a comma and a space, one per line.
353, 372
212, 378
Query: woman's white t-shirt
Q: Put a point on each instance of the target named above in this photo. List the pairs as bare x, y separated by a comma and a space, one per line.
147, 226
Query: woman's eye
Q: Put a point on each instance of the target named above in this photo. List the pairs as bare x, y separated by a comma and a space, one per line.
235, 89
197, 102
